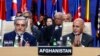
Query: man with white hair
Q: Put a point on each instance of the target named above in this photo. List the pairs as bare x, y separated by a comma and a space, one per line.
58, 20
57, 27
78, 38
19, 35
67, 17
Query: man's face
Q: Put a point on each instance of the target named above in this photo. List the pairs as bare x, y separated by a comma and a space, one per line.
26, 14
20, 26
41, 18
18, 14
77, 27
58, 21
66, 18
30, 21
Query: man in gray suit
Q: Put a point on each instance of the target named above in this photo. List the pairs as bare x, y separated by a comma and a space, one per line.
78, 38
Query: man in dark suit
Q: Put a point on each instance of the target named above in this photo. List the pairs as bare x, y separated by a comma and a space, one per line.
78, 37
59, 19
19, 35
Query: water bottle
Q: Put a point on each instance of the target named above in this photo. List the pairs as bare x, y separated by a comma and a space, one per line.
54, 42
68, 42
59, 43
0, 42
16, 44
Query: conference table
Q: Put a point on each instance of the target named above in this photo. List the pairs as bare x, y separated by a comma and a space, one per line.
33, 51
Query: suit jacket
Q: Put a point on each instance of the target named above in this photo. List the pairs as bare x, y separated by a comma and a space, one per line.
57, 34
87, 40
9, 39
47, 34
38, 34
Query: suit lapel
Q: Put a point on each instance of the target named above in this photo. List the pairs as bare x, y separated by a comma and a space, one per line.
72, 37
25, 38
13, 35
83, 40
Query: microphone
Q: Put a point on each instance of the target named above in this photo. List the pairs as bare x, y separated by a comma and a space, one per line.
59, 43
68, 42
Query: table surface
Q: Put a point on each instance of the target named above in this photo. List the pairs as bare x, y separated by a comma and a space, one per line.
33, 51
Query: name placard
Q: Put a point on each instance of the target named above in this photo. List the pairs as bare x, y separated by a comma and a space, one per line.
55, 50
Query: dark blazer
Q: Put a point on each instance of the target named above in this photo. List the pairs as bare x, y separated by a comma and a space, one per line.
38, 34
47, 34
57, 34
9, 39
87, 40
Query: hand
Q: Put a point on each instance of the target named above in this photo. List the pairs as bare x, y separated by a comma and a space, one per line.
41, 18
97, 34
27, 44
20, 44
77, 41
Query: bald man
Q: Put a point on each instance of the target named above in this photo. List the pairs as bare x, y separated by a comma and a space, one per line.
78, 38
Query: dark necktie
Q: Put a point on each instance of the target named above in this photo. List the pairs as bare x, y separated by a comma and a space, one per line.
19, 38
